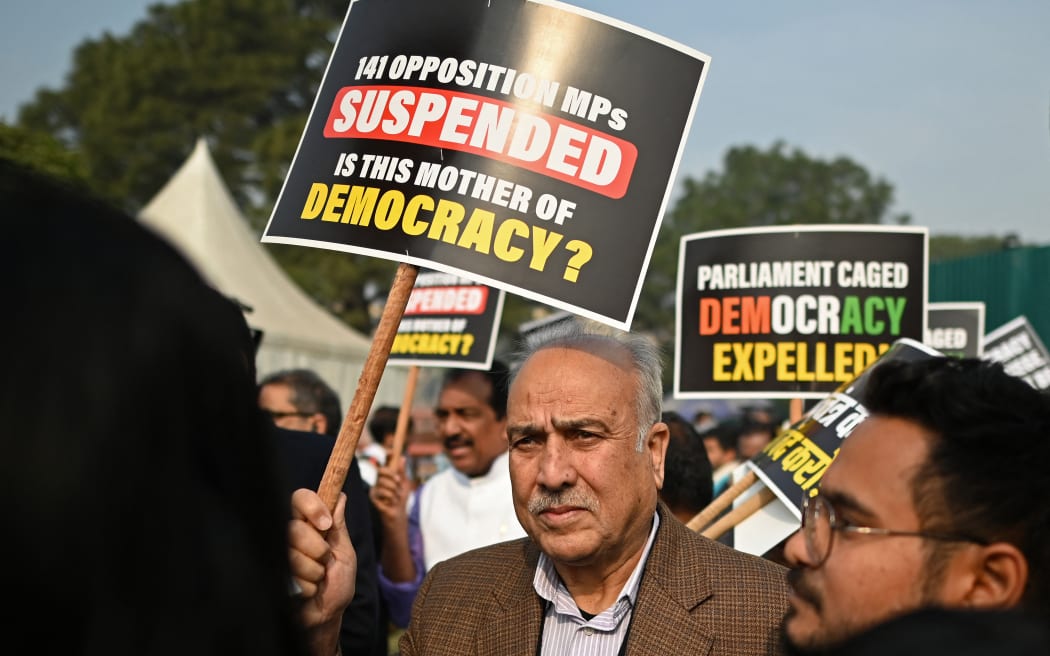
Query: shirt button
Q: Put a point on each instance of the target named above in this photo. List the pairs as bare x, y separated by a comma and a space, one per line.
588, 630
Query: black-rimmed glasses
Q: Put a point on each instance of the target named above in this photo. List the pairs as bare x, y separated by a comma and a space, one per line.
280, 414
819, 525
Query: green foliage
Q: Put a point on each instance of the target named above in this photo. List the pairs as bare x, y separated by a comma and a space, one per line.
777, 187
950, 247
41, 151
230, 70
339, 281
758, 188
243, 73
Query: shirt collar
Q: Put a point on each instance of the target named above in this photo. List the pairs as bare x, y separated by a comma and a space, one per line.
549, 586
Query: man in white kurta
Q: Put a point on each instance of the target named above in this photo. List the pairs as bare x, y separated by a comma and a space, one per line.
458, 513
466, 506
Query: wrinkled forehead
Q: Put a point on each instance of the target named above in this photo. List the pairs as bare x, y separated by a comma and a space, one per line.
573, 381
591, 355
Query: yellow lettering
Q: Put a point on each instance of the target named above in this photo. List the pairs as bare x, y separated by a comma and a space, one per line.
335, 203
314, 201
543, 246
786, 359
360, 205
509, 229
413, 226
843, 362
478, 232
765, 357
720, 361
391, 207
447, 218
743, 369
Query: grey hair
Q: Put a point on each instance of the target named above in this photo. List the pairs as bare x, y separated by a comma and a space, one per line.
644, 354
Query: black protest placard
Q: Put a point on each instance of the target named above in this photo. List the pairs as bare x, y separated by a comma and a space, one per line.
794, 462
528, 145
794, 311
449, 321
1018, 347
956, 329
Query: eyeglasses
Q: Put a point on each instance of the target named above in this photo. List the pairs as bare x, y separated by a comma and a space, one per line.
278, 414
819, 525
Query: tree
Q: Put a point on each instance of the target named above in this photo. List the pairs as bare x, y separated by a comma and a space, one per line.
777, 187
242, 73
947, 247
757, 188
40, 151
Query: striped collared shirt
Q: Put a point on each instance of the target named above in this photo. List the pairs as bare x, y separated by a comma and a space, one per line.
565, 631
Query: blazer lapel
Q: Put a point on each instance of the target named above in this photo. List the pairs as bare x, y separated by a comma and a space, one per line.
673, 585
516, 629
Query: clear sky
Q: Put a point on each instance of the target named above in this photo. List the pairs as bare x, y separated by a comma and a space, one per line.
948, 100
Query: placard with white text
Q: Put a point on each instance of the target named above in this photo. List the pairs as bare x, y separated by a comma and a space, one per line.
525, 144
794, 311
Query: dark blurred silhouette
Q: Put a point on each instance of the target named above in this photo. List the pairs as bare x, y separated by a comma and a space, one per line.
145, 511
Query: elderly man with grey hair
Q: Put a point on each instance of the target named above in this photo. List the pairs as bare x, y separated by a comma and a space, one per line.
606, 568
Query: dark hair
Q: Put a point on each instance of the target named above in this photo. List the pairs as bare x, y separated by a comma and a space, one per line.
309, 394
985, 474
687, 470
143, 497
384, 422
499, 378
724, 433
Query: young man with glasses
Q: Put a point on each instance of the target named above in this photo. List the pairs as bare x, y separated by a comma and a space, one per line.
939, 498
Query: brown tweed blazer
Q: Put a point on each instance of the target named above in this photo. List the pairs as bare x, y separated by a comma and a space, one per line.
697, 597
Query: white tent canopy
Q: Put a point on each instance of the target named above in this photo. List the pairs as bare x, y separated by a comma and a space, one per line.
197, 213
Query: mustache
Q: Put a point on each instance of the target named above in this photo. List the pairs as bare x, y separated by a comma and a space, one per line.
543, 500
452, 441
796, 579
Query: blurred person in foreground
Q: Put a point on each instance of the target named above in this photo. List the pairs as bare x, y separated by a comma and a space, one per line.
605, 569
150, 515
466, 506
937, 499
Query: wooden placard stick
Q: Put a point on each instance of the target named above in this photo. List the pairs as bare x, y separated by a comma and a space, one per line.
350, 432
748, 507
723, 501
400, 433
795, 408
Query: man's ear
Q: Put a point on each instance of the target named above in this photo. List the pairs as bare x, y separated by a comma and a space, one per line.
319, 423
997, 575
656, 445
